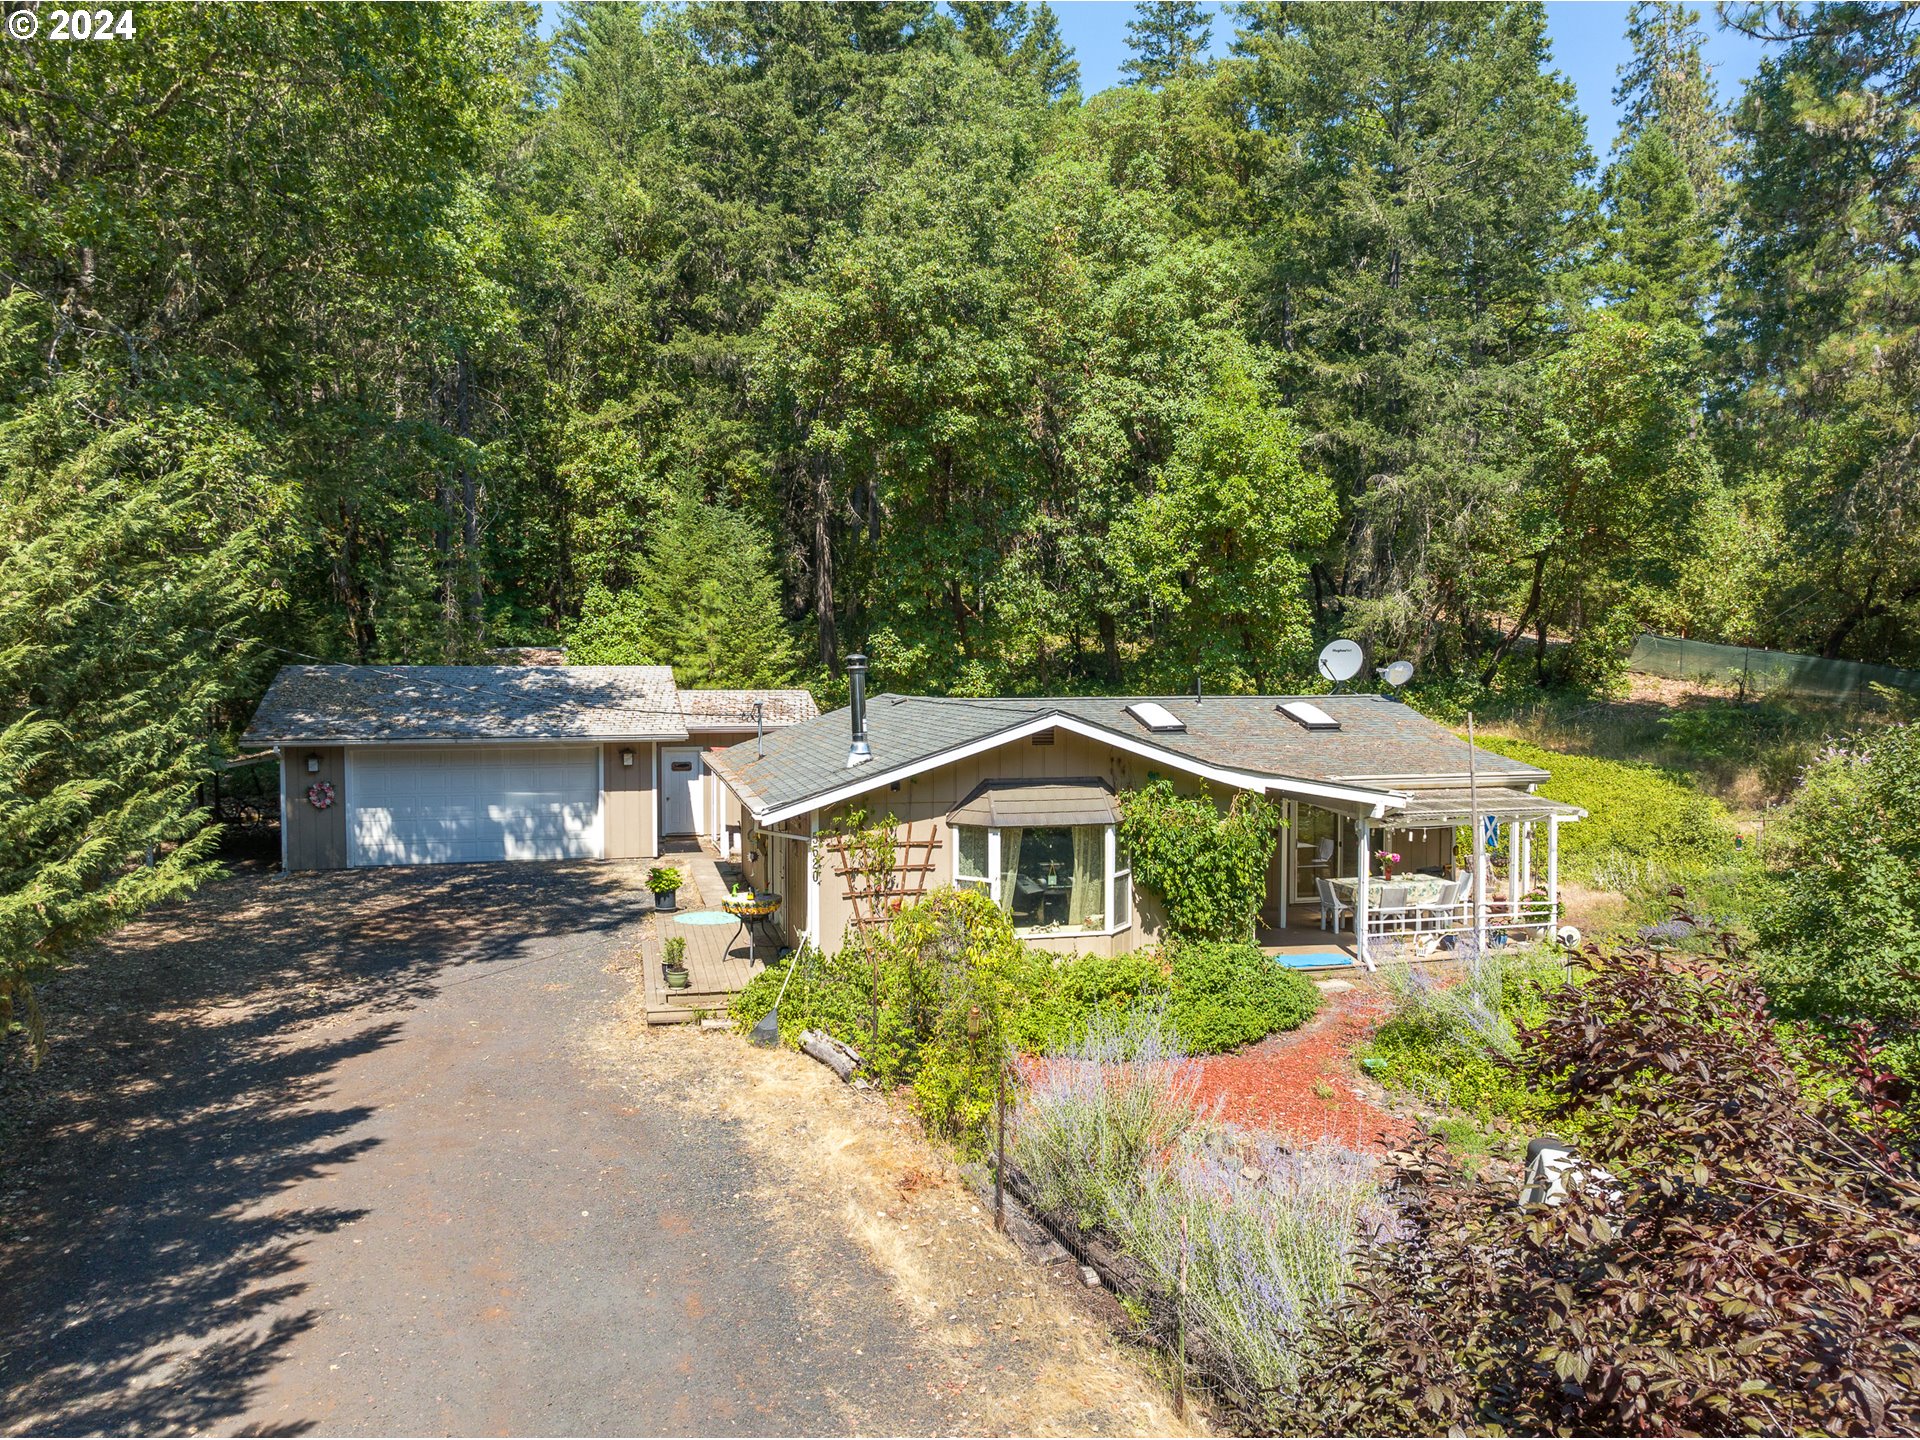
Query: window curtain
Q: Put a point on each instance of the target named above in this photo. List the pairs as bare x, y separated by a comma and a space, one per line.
1088, 896
1009, 867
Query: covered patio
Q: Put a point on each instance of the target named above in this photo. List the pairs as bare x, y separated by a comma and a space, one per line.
1445, 871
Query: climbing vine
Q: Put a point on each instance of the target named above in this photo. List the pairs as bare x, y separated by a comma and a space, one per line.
1207, 866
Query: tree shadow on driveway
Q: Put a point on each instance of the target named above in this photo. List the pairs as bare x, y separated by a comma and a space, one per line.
150, 1279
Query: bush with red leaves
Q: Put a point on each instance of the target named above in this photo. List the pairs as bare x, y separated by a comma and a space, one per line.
1752, 1264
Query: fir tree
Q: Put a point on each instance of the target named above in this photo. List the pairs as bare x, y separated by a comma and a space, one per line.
1658, 254
1169, 39
1668, 86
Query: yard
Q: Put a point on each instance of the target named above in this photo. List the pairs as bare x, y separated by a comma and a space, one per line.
391, 1152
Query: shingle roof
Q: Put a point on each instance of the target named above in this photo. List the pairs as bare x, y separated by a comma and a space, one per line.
704, 708
315, 704
1381, 744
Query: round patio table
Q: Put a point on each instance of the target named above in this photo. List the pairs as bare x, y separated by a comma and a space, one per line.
757, 909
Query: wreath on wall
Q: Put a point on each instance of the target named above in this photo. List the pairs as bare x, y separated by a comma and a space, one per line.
320, 794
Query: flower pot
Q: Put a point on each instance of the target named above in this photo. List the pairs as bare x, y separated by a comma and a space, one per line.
677, 979
666, 899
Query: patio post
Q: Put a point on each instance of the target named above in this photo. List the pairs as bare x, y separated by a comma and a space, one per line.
1516, 861
1553, 873
1364, 834
1479, 887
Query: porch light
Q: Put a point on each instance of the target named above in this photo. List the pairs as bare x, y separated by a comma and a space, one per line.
626, 755
313, 764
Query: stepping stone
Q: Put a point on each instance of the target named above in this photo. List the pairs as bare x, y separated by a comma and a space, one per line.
1333, 987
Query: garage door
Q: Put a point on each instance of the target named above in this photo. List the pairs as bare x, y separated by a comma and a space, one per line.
435, 804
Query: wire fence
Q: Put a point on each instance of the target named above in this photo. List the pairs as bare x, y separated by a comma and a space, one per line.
1755, 671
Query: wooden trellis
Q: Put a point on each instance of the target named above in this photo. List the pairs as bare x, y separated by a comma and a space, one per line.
875, 899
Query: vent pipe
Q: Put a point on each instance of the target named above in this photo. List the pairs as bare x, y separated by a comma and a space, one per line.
860, 751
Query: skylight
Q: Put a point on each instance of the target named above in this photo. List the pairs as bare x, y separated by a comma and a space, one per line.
1308, 714
1156, 717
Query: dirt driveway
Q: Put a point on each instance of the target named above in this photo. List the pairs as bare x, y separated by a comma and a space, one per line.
340, 1153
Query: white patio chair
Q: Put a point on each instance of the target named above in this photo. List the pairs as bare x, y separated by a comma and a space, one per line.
1332, 907
1445, 906
1389, 902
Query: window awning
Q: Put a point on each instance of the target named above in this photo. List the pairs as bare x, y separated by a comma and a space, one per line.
1456, 807
1035, 804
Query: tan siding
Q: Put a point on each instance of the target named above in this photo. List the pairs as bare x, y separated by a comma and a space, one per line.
629, 803
927, 798
316, 839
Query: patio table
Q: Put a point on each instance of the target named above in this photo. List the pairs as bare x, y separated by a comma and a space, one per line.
754, 912
1420, 888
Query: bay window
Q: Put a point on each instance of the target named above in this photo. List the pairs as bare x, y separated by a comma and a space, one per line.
1047, 879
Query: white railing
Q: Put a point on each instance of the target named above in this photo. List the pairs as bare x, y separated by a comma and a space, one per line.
1532, 919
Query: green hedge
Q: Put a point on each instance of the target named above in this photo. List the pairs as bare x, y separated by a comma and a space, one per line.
1223, 995
1639, 811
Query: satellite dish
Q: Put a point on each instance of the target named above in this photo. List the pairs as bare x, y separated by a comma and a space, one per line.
1341, 660
1398, 673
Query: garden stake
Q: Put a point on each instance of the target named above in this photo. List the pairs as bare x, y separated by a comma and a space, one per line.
1000, 1153
1180, 1330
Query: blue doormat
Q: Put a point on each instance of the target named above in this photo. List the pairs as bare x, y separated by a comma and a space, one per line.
705, 917
1318, 960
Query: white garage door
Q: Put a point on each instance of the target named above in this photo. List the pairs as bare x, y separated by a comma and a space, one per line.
442, 804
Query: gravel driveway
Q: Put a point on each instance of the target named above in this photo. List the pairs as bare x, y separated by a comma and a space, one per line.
321, 1153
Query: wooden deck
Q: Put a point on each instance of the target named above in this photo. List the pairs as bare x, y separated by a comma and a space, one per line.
718, 966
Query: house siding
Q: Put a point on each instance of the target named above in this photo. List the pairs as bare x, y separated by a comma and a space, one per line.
627, 803
924, 800
315, 839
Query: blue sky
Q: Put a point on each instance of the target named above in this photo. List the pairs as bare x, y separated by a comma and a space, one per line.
1589, 44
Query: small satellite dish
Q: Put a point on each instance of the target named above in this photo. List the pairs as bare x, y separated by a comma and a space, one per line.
1398, 673
1341, 660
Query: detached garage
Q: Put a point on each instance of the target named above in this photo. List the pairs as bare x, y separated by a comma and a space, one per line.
450, 764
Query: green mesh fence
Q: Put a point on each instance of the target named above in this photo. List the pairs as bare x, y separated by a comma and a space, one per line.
1763, 672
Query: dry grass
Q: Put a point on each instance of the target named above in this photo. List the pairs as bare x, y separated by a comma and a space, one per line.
1025, 1342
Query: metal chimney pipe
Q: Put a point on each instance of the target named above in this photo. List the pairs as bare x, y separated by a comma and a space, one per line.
860, 751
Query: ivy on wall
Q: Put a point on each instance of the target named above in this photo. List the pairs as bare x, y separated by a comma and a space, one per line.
1207, 866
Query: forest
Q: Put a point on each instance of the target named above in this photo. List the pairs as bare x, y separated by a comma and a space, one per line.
738, 336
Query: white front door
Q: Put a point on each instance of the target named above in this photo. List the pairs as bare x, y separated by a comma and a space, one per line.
680, 770
441, 804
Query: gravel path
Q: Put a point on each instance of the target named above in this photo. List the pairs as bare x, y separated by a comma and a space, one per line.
326, 1153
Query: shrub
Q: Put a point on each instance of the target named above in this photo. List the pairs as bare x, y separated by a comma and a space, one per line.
1751, 1263
1223, 995
932, 1001
1094, 1114
1843, 941
1106, 1131
1636, 811
1452, 1039
1208, 867
1080, 988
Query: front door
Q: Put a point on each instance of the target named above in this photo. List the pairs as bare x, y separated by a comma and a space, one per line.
680, 770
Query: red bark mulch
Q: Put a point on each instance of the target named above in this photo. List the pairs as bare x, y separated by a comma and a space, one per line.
1270, 1084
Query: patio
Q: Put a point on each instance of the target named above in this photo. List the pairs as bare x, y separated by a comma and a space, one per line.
718, 962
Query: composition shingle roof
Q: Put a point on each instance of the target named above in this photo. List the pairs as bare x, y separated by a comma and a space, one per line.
1381, 745
314, 704
735, 707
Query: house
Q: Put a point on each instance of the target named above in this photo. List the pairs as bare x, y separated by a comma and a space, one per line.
433, 764
1019, 799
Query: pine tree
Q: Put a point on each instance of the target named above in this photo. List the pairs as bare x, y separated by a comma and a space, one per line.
1169, 39
1667, 86
1421, 186
1828, 287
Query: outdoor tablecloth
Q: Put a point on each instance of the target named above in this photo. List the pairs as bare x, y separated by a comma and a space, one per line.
1420, 888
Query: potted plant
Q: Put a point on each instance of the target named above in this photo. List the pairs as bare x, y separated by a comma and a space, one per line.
665, 882
674, 962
